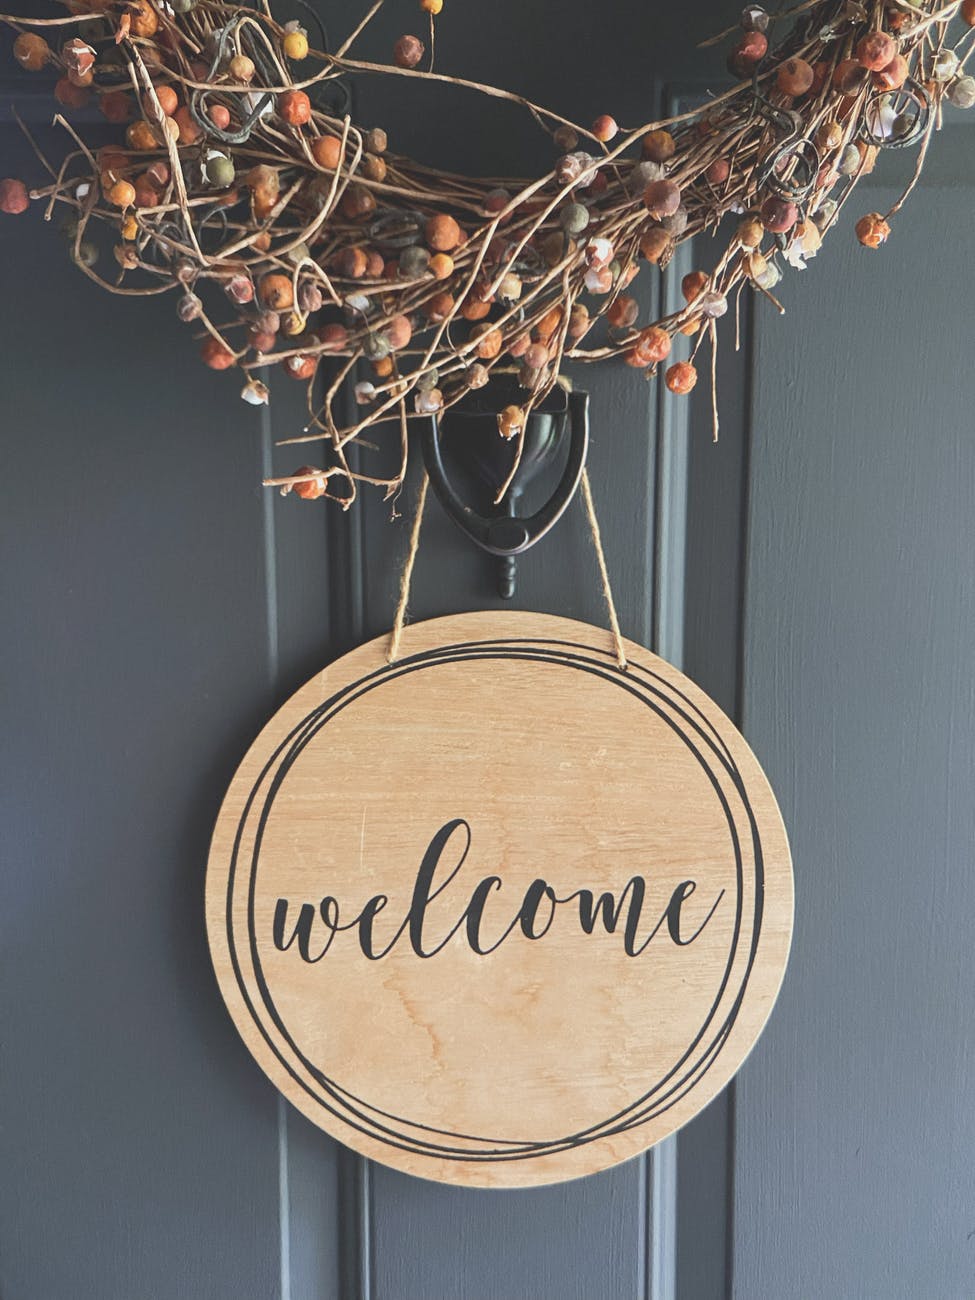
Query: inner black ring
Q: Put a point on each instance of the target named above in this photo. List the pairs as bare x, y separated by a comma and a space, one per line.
567, 654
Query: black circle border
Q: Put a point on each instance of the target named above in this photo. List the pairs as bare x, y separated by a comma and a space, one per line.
537, 650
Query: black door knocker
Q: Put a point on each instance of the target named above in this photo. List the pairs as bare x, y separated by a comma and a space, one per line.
468, 436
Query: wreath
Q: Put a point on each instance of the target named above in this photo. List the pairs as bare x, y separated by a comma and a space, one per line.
290, 234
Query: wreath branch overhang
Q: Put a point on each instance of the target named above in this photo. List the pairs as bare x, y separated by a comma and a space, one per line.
291, 234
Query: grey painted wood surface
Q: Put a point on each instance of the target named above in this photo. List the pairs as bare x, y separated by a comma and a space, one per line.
855, 1134
159, 605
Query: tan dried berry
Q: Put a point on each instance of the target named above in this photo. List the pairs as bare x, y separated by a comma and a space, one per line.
750, 232
242, 69
794, 77
327, 151
654, 243
658, 146
829, 136
31, 51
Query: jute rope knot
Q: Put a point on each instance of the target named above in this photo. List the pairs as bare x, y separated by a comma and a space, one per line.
406, 576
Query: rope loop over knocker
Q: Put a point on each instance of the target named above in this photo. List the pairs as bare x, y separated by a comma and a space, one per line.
406, 575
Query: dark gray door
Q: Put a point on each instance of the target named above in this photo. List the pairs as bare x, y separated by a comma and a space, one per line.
812, 572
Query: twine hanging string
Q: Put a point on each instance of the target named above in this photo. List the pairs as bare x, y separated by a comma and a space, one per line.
597, 542
406, 576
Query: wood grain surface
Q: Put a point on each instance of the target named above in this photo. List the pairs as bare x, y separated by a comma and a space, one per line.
499, 914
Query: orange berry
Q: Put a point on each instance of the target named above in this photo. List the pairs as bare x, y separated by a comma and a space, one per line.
295, 107
122, 194
116, 105
398, 332
489, 341
144, 20
31, 51
875, 50
439, 307
442, 233
277, 292
549, 323
510, 421
474, 308
431, 6
327, 151
652, 345
141, 136
215, 355
352, 263
681, 377
693, 285
441, 266
219, 115
312, 488
605, 128
301, 367
146, 194
718, 172
13, 196
967, 12
70, 95
189, 132
168, 102
623, 311
872, 230
333, 337
893, 76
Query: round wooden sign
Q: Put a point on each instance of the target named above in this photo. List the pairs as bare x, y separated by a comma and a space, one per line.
499, 913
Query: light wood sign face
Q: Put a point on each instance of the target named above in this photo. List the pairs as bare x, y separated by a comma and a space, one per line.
499, 913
